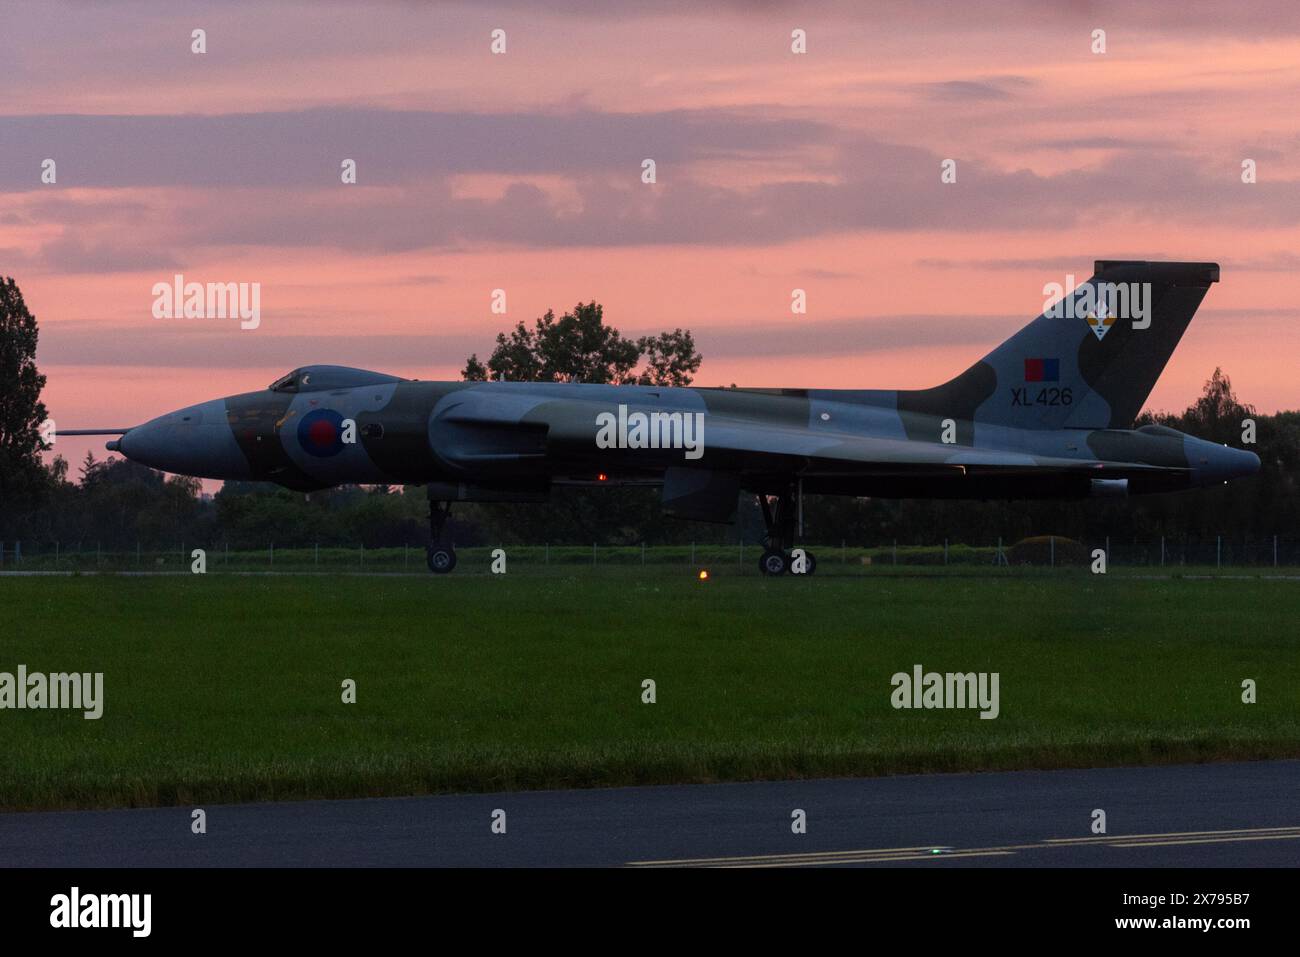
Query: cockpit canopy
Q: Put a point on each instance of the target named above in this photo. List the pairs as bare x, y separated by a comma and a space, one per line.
321, 378
1154, 429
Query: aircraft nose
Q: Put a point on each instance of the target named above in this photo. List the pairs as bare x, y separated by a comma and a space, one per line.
193, 441
1213, 463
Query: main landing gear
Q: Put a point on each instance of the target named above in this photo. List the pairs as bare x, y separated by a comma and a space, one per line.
439, 553
778, 557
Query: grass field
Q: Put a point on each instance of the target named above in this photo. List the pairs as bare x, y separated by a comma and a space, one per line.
228, 688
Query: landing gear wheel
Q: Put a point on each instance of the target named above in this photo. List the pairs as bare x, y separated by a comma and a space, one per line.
773, 563
441, 558
809, 563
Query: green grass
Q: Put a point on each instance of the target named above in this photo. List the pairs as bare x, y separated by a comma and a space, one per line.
226, 688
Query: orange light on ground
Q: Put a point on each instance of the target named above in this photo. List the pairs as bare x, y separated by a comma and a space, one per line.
704, 574
602, 477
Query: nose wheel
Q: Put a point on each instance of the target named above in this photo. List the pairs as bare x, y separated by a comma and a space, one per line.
441, 558
439, 554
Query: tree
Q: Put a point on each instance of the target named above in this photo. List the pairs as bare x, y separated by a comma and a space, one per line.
1217, 415
88, 466
22, 475
579, 347
58, 472
671, 359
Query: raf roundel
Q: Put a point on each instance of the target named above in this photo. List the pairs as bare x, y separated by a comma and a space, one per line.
320, 433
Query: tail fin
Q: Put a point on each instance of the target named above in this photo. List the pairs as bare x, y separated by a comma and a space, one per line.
1089, 361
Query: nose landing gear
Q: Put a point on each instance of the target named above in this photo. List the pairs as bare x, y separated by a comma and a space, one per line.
439, 554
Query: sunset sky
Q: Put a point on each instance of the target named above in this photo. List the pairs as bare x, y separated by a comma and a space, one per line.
522, 171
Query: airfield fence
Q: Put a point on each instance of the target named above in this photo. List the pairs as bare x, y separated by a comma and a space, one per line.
1043, 552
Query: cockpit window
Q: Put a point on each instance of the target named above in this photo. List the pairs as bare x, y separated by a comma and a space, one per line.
324, 378
1161, 430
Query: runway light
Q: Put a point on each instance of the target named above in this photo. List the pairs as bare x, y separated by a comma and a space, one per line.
704, 574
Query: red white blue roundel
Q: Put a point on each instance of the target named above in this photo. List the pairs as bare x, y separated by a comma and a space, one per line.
320, 433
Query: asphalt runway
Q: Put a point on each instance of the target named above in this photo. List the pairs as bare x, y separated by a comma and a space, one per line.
1211, 815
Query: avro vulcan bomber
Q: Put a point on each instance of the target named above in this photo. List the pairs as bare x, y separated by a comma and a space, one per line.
1047, 414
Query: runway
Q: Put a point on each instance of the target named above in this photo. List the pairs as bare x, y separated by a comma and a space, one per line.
1211, 815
